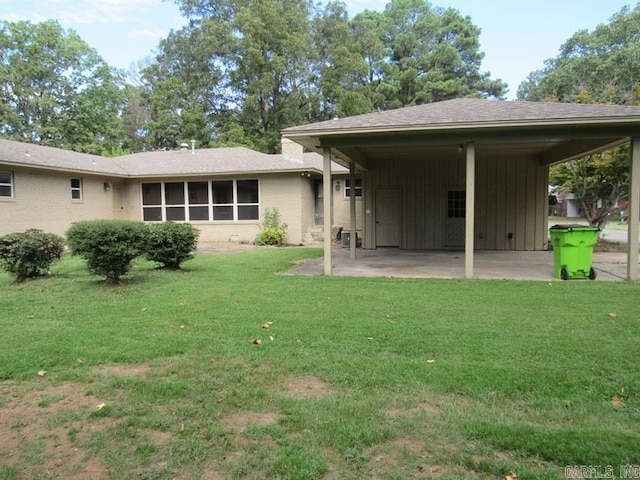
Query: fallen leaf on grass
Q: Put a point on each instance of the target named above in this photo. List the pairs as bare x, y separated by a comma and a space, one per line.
267, 325
431, 360
42, 373
612, 315
255, 341
617, 401
144, 309
101, 406
271, 337
369, 338
511, 476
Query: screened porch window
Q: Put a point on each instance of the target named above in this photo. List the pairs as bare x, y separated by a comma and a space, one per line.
218, 200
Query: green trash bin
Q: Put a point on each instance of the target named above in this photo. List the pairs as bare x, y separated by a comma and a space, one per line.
573, 251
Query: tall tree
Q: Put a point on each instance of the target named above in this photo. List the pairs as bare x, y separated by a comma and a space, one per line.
278, 63
56, 90
594, 67
433, 55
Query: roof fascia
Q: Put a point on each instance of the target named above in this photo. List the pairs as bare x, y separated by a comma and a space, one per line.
422, 137
61, 169
508, 124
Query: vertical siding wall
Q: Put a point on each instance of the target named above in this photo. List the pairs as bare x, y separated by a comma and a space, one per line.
511, 197
43, 201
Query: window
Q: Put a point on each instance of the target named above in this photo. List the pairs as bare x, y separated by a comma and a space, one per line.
152, 202
222, 200
248, 200
357, 191
6, 184
218, 200
198, 200
174, 201
76, 188
456, 204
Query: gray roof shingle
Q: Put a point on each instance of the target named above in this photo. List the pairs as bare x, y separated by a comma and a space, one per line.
32, 155
471, 111
206, 161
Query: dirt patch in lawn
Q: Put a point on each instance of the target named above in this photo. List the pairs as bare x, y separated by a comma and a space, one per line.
39, 429
242, 420
306, 387
123, 370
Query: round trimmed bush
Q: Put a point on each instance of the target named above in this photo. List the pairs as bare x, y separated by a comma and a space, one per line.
30, 254
170, 244
108, 246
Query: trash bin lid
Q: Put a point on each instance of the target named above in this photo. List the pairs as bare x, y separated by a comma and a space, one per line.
573, 226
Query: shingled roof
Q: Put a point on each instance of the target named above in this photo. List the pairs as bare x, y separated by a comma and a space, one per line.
39, 156
173, 163
471, 112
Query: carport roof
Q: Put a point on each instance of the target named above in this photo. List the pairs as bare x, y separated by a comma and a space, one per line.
469, 112
552, 132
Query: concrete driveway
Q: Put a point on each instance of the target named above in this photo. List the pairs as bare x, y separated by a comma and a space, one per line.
391, 262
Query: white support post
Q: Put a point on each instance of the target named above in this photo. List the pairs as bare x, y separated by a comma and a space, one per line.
352, 205
634, 210
327, 192
469, 234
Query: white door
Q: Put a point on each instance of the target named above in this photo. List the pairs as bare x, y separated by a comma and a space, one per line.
388, 217
455, 218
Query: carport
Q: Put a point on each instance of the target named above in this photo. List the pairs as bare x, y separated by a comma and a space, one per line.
466, 174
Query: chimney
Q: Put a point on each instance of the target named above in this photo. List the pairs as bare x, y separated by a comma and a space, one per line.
291, 150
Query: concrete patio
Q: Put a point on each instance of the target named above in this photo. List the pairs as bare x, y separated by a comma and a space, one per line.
392, 262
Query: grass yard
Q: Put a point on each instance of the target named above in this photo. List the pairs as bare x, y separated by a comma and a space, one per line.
163, 377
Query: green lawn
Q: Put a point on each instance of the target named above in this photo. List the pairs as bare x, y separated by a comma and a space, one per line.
354, 378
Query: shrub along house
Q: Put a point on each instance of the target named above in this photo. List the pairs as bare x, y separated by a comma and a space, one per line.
467, 173
223, 192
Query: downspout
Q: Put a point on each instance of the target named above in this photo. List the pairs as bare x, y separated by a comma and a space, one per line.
634, 210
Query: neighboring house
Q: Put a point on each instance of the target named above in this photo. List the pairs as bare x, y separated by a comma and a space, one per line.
223, 192
467, 173
569, 206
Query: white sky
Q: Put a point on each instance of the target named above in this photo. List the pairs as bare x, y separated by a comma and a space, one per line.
517, 35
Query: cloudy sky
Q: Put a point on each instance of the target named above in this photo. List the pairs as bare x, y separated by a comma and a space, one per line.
517, 35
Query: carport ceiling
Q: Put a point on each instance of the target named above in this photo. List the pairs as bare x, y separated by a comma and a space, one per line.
546, 151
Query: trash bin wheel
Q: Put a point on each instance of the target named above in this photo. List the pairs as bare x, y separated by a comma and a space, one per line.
592, 274
564, 275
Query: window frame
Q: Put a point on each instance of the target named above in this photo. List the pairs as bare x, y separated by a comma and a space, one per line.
456, 203
235, 205
358, 189
76, 189
10, 184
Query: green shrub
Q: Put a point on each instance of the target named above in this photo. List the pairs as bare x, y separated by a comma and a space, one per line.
171, 243
273, 231
30, 254
108, 246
